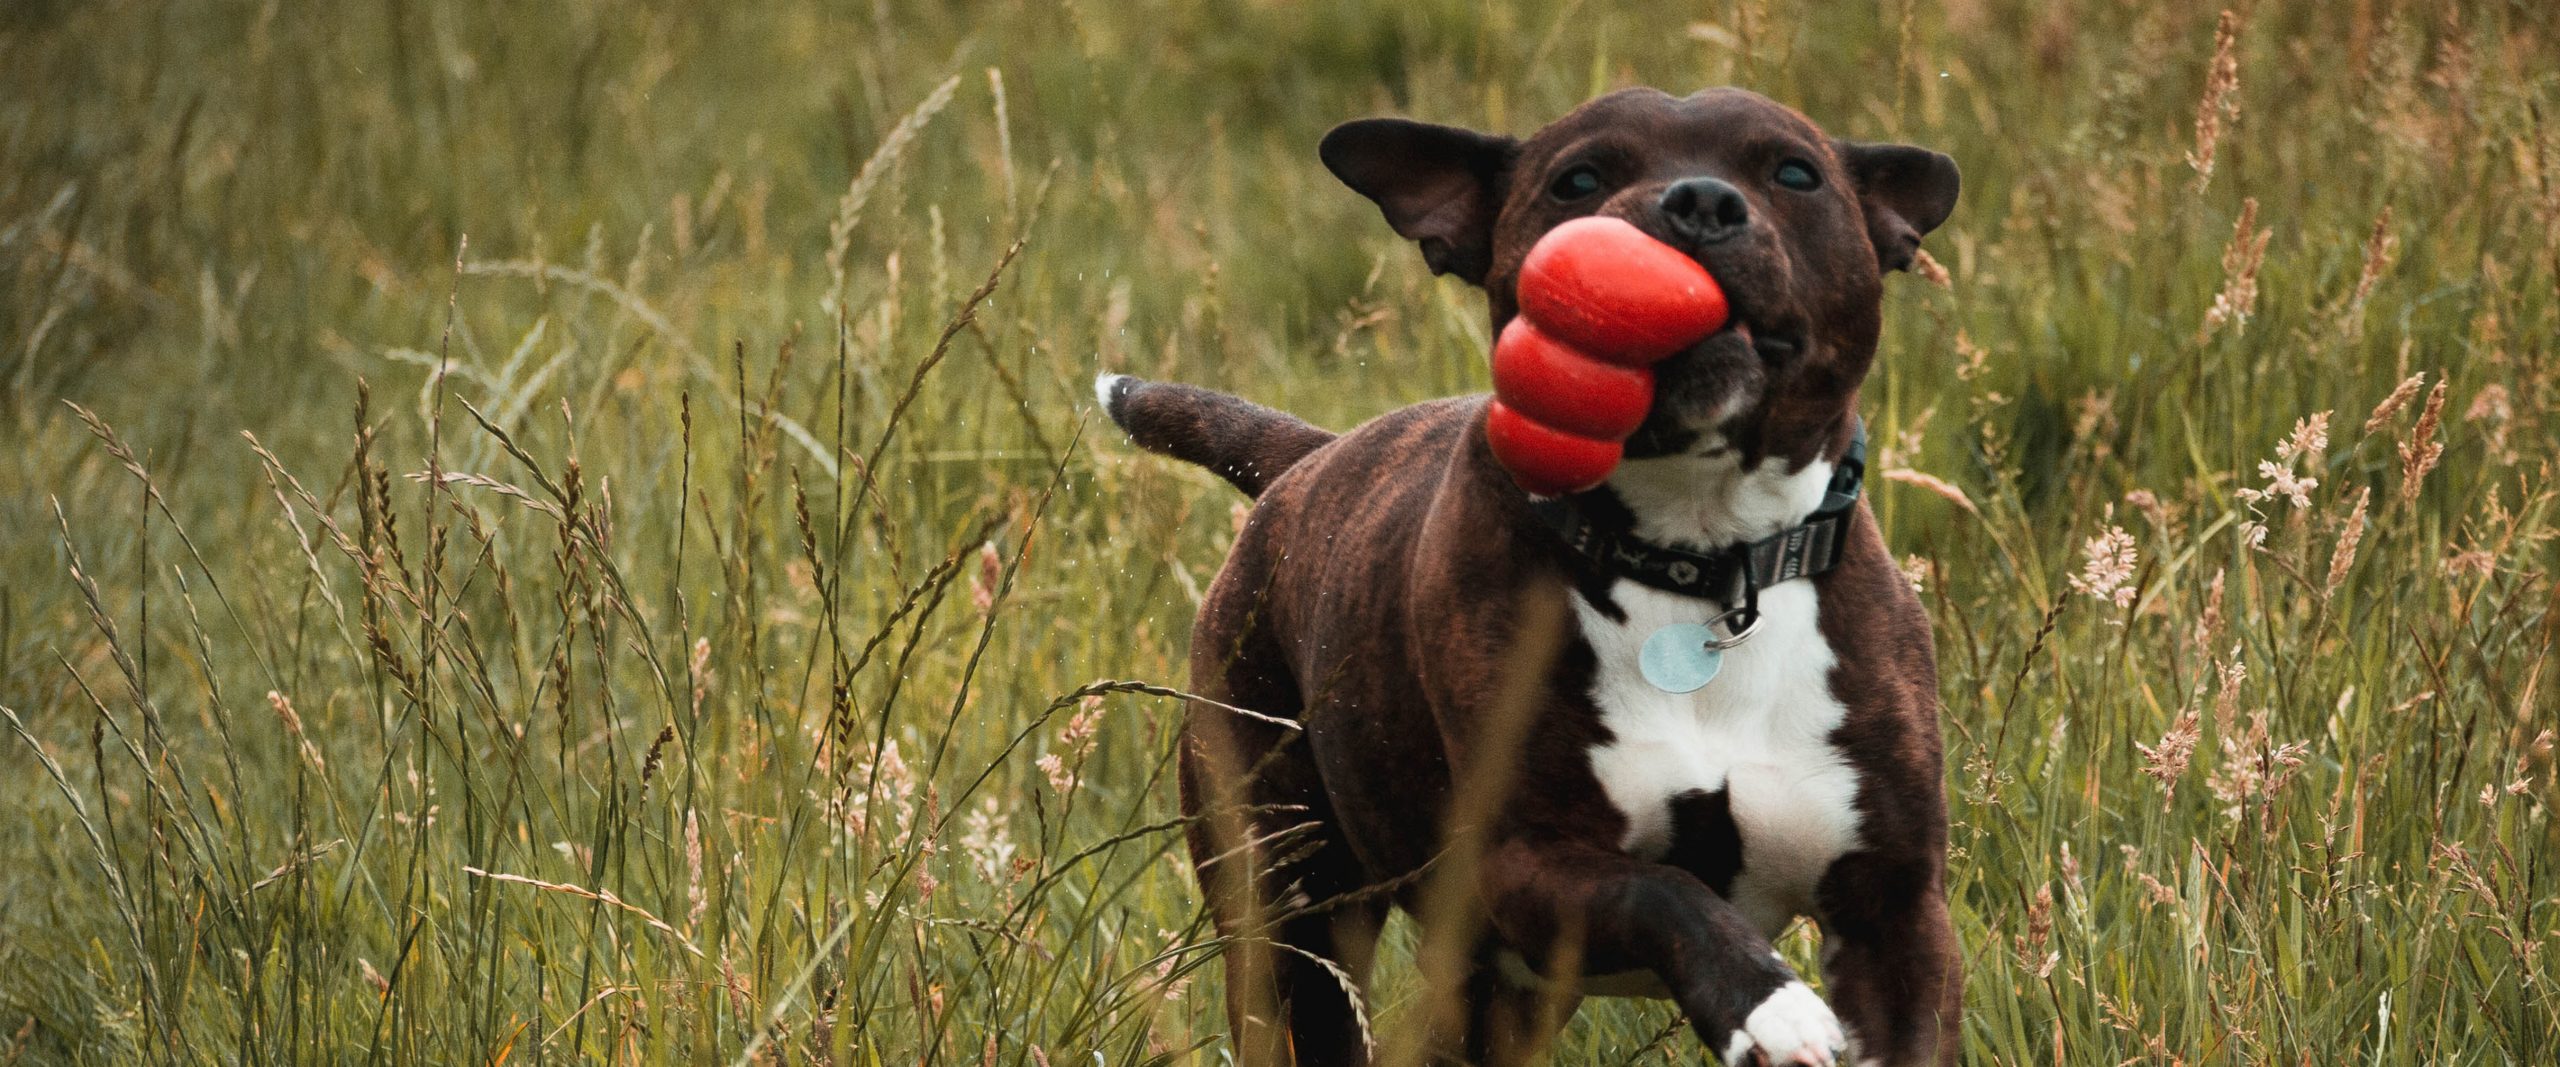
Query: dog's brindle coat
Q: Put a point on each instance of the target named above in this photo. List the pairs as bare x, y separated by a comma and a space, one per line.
1388, 587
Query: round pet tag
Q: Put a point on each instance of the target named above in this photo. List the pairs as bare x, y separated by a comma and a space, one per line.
1678, 658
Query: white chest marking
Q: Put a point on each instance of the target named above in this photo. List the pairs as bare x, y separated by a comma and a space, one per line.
1706, 497
1760, 732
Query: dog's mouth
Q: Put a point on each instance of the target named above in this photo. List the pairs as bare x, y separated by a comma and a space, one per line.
1777, 348
1702, 388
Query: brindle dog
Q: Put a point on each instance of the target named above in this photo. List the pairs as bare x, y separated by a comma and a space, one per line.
1431, 635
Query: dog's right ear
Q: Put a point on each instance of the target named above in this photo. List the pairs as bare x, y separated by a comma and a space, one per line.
1439, 186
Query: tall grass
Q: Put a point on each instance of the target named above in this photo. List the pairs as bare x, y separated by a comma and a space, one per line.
580, 535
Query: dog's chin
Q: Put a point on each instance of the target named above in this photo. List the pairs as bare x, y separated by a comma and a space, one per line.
1699, 390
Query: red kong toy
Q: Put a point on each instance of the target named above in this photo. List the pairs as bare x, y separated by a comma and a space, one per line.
1600, 303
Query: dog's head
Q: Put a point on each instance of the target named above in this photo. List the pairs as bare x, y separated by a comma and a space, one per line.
1798, 227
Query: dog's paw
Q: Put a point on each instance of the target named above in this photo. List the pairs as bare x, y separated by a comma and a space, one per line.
1790, 1028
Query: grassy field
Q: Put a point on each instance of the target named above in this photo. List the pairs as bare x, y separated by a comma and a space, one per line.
581, 535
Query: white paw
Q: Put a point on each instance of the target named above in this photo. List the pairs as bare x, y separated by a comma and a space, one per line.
1792, 1028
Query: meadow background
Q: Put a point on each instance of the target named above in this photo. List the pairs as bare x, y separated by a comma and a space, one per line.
701, 618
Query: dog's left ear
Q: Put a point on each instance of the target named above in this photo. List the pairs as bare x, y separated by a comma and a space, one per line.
1905, 191
1439, 186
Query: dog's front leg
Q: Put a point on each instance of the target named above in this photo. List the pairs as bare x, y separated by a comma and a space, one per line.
1891, 962
1556, 899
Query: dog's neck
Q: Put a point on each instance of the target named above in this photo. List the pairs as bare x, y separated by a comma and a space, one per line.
1704, 499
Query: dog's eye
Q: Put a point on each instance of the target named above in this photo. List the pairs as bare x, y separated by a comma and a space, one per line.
1798, 175
1575, 183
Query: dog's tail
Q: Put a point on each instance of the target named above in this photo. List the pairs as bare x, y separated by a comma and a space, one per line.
1241, 441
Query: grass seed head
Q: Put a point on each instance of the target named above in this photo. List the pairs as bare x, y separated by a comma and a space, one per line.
2240, 262
2418, 454
2220, 105
2390, 406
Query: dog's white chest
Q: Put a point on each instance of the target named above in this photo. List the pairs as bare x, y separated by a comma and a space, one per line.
1760, 733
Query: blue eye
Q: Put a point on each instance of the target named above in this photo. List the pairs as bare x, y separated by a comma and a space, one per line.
1576, 183
1798, 175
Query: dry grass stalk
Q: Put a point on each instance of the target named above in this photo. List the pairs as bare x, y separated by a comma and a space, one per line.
2221, 103
2391, 405
1933, 484
293, 725
2035, 953
600, 896
2240, 262
2108, 573
2495, 409
2167, 761
1971, 358
2379, 247
697, 901
891, 150
2419, 453
2344, 558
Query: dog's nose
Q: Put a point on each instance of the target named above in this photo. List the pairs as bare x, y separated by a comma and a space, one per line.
1705, 210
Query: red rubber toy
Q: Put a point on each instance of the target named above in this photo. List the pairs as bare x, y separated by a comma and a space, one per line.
1603, 286
1545, 460
1600, 303
1550, 382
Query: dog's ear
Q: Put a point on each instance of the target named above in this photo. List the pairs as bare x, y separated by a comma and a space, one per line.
1905, 191
1439, 186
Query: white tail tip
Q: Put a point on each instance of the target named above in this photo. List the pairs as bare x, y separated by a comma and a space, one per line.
1103, 385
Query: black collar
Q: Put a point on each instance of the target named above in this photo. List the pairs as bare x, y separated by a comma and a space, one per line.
1733, 575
